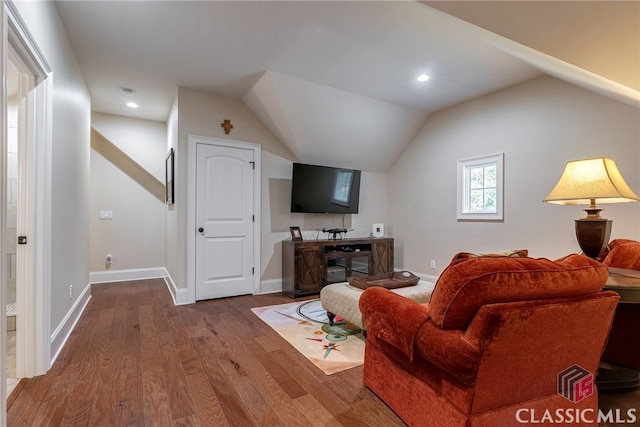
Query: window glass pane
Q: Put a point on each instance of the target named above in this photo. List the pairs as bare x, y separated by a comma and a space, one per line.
490, 200
476, 200
476, 176
490, 173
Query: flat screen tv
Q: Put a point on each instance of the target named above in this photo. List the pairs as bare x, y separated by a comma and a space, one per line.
322, 189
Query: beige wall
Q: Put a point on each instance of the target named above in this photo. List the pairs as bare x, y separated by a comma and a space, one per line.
277, 218
171, 217
144, 141
135, 237
71, 111
539, 126
198, 113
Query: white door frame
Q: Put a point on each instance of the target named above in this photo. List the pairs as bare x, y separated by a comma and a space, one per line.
33, 345
191, 207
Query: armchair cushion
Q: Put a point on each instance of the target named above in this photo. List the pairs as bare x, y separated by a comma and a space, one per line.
623, 253
468, 284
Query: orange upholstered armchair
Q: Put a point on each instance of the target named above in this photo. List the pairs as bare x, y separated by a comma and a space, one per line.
623, 253
490, 346
623, 347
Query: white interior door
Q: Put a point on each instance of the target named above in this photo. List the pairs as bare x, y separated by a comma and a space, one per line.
224, 221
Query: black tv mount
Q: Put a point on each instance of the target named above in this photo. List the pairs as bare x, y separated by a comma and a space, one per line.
335, 232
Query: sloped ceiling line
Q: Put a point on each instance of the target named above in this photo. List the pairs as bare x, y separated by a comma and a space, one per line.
522, 37
332, 127
264, 100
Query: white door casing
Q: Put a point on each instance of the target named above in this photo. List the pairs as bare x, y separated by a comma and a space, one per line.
34, 210
224, 201
33, 341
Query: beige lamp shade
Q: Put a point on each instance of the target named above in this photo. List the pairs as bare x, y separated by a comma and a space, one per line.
583, 181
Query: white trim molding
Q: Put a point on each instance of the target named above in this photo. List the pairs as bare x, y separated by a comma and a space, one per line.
270, 286
483, 176
63, 331
34, 212
180, 295
125, 275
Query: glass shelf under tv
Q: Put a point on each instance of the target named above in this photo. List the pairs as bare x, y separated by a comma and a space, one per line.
342, 265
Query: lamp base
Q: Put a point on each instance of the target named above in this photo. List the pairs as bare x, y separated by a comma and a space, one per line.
593, 235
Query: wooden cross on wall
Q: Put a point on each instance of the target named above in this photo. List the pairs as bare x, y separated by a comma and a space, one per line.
227, 126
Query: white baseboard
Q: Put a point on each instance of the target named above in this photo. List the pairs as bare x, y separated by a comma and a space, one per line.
270, 286
62, 332
123, 275
180, 295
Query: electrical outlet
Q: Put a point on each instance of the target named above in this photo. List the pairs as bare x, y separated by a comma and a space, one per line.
433, 263
70, 291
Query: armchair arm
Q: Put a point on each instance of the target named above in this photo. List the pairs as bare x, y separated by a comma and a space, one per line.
392, 318
406, 326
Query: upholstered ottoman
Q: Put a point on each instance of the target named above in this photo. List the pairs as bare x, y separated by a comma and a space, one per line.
342, 299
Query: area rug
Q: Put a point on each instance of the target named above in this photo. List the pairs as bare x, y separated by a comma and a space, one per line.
305, 326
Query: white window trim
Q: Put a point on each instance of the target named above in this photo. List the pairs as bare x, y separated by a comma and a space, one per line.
463, 188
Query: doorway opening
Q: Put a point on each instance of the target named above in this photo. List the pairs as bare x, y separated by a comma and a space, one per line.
25, 177
11, 230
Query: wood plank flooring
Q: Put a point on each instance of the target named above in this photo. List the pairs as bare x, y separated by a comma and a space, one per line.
135, 359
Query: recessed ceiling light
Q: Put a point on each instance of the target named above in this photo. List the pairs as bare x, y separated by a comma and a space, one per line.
422, 78
132, 105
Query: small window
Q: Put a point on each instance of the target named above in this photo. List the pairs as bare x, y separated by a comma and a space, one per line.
480, 188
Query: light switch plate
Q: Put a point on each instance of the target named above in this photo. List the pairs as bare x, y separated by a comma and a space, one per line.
106, 214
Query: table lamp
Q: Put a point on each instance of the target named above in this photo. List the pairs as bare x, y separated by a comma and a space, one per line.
582, 183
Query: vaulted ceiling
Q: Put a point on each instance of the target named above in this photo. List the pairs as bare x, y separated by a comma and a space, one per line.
602, 37
335, 81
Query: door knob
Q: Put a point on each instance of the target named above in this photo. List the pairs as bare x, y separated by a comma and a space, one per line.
200, 230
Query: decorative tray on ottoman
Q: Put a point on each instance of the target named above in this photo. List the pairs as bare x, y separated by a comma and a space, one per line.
398, 279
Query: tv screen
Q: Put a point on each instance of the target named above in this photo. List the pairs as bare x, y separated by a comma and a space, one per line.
322, 189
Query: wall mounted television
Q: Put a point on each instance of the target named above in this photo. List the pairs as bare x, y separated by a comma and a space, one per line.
323, 189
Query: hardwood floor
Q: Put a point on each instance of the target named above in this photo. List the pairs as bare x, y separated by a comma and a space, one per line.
135, 359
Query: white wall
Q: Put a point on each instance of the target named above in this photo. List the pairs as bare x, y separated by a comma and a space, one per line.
539, 125
135, 237
70, 169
